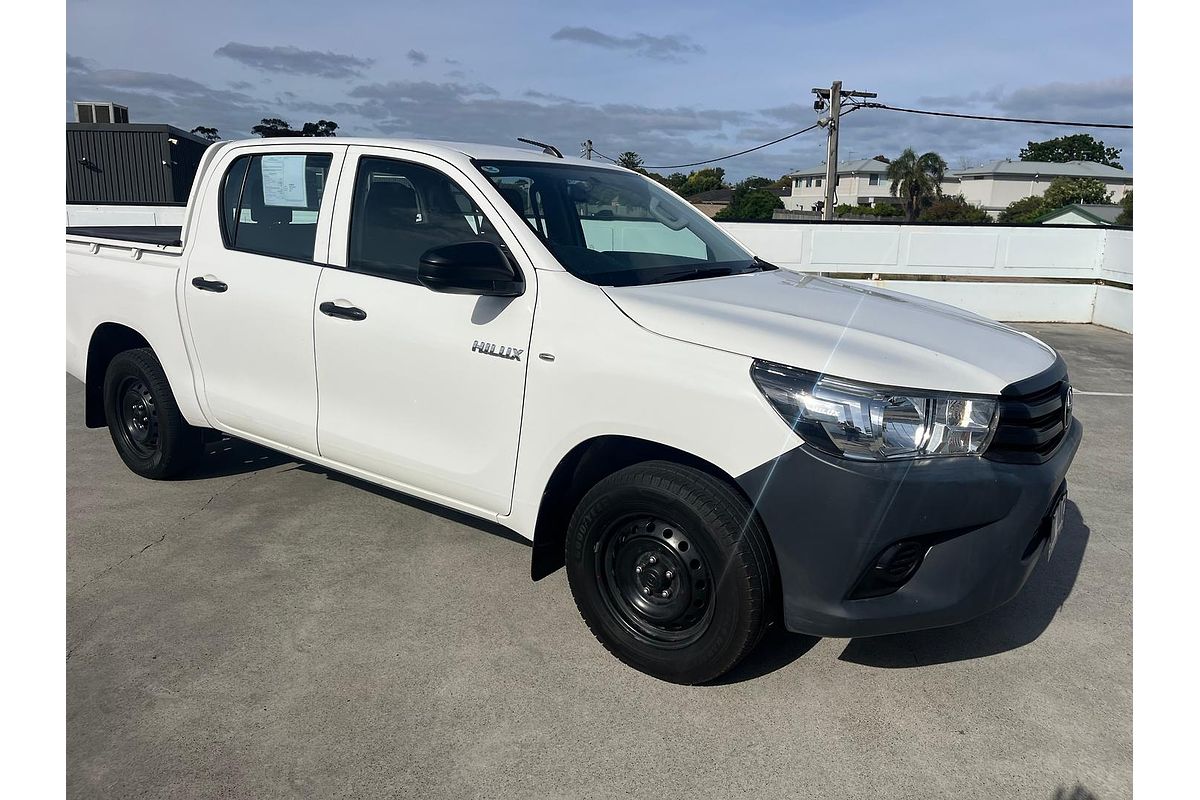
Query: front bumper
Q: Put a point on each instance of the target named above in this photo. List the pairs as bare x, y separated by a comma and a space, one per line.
830, 518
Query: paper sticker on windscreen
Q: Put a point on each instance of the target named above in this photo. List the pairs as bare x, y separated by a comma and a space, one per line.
283, 181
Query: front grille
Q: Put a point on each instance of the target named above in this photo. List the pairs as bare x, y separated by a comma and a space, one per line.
1032, 425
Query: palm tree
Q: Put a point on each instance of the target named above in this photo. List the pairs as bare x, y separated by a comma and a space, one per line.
916, 179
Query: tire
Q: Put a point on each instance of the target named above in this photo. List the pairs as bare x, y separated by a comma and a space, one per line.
150, 434
656, 519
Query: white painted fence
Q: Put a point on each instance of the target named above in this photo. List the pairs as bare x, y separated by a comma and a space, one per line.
1017, 274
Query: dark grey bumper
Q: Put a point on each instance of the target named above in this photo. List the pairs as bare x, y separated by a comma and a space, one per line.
830, 518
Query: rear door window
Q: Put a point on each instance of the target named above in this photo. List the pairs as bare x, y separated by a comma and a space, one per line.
270, 203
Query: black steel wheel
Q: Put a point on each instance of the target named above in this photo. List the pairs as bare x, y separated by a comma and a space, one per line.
149, 432
654, 581
137, 416
671, 571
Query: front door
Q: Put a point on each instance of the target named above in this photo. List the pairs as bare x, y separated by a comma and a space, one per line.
249, 287
419, 388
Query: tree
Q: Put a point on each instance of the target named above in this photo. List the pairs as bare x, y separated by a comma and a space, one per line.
916, 179
321, 127
954, 209
1075, 147
1126, 215
674, 181
629, 160
703, 180
878, 210
211, 134
752, 200
1027, 209
1064, 191
273, 126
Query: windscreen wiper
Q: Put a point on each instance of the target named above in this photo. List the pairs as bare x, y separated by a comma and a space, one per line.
694, 272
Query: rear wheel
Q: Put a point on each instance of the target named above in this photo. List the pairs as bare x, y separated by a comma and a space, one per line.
150, 434
671, 570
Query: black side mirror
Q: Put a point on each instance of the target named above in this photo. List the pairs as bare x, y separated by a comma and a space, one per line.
470, 268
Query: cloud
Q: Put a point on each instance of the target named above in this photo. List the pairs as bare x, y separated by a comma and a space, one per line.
1101, 101
417, 57
165, 98
77, 64
663, 48
293, 60
533, 94
471, 111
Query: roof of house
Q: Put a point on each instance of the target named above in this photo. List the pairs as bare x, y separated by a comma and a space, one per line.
712, 196
1070, 169
844, 167
1099, 214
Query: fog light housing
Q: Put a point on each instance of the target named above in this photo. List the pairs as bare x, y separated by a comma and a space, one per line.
891, 569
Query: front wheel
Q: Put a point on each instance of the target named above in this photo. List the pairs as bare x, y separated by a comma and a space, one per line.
671, 570
150, 434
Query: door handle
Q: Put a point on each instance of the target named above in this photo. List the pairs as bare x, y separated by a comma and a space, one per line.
209, 286
342, 312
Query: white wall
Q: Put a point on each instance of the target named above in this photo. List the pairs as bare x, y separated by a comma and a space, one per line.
1009, 273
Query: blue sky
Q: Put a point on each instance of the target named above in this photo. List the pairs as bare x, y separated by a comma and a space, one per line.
676, 82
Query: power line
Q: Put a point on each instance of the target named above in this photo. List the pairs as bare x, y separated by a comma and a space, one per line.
853, 106
747, 150
995, 119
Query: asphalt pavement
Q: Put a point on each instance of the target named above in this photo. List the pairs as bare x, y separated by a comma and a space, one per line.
272, 629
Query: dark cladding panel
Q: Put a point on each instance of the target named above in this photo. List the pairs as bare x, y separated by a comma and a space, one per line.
130, 164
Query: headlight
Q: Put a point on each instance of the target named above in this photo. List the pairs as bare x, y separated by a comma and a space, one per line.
876, 422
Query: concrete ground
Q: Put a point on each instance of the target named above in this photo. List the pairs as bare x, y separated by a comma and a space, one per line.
270, 629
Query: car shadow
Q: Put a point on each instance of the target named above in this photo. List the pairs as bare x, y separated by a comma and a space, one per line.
228, 456
1016, 624
777, 649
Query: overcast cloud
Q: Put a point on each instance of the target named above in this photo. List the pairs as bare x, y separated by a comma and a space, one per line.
675, 88
667, 48
294, 61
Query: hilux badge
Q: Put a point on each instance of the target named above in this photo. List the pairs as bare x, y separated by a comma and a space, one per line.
491, 349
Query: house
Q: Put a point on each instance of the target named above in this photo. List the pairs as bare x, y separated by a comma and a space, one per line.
860, 183
994, 185
710, 202
1081, 214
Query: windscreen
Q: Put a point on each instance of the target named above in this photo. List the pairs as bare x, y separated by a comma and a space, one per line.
613, 227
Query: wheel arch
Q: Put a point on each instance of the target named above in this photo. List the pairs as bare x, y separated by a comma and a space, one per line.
108, 339
583, 467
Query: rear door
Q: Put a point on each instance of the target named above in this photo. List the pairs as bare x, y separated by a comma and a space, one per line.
250, 281
409, 391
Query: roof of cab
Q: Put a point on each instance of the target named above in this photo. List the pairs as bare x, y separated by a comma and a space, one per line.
473, 150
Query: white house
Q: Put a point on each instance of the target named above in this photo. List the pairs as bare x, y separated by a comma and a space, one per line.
991, 186
996, 184
859, 183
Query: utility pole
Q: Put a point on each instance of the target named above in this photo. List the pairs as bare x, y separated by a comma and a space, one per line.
587, 149
833, 97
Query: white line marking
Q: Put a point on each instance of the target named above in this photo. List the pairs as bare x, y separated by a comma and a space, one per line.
1104, 394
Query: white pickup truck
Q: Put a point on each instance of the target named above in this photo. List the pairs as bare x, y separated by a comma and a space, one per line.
709, 443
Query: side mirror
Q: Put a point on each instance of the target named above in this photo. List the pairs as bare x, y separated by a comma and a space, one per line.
470, 268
